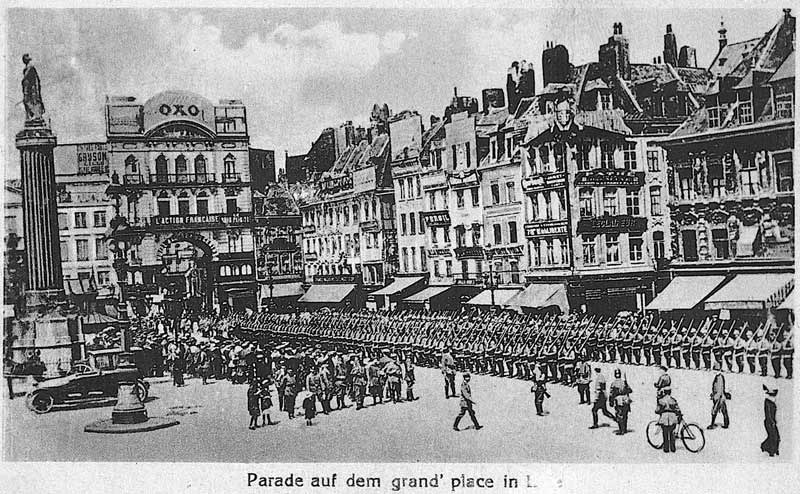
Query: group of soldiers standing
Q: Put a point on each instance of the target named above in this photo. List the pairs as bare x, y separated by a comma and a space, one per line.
510, 344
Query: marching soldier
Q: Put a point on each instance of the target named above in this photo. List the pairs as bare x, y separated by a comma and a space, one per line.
647, 345
658, 344
719, 397
696, 346
787, 352
739, 350
449, 373
706, 348
638, 345
676, 345
764, 350
583, 380
600, 401
752, 350
776, 353
467, 404
727, 350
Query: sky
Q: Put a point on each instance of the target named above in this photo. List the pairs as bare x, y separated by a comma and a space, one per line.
301, 70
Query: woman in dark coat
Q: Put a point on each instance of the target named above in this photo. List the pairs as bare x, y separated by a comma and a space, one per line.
253, 404
773, 440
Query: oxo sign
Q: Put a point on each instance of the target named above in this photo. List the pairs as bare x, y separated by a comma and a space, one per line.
178, 105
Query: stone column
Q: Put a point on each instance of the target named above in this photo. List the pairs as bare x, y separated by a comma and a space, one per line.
48, 326
40, 215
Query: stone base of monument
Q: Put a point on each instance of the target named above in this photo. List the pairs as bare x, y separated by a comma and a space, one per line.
108, 426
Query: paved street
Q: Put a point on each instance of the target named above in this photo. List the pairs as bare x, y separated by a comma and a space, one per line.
214, 421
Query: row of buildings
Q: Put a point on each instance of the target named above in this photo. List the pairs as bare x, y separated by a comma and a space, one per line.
616, 180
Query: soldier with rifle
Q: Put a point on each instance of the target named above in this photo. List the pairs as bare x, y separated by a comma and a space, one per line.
676, 345
752, 349
637, 346
776, 355
697, 343
708, 344
787, 352
764, 350
739, 348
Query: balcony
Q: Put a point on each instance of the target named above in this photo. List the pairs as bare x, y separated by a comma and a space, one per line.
473, 252
192, 221
178, 179
544, 181
545, 228
231, 178
307, 229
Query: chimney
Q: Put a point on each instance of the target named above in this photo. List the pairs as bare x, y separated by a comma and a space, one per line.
614, 55
455, 92
687, 57
670, 47
555, 64
723, 38
511, 87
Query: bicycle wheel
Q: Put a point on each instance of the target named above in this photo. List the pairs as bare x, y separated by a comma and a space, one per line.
693, 437
654, 435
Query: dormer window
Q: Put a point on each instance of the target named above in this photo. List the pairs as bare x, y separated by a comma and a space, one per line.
713, 117
784, 105
745, 112
605, 100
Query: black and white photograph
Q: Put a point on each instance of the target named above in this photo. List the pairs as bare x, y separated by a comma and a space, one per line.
385, 235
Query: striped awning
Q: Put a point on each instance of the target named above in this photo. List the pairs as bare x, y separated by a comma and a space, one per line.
788, 302
752, 291
685, 293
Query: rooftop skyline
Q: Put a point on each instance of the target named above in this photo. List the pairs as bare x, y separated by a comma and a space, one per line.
301, 70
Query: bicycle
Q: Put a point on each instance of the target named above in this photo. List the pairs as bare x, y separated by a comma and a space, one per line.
690, 434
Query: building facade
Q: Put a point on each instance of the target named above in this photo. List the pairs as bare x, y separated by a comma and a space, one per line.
731, 170
349, 221
180, 173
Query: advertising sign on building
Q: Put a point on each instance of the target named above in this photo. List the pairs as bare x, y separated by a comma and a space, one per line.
546, 228
613, 224
364, 180
610, 177
125, 119
92, 158
178, 105
544, 182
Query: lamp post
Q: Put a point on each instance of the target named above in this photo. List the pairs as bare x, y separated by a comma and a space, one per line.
271, 285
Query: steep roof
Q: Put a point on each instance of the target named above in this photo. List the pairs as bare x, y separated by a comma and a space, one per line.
730, 56
358, 156
786, 69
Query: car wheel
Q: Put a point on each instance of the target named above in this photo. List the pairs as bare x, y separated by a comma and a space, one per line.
40, 401
141, 391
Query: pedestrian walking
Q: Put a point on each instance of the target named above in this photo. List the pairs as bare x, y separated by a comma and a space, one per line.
539, 390
600, 400
253, 404
772, 443
467, 405
669, 417
290, 392
719, 397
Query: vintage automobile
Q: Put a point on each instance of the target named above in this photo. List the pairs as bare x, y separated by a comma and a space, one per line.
92, 381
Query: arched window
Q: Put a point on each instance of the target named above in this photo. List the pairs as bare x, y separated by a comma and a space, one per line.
161, 169
230, 174
131, 165
202, 203
183, 204
200, 168
180, 167
164, 208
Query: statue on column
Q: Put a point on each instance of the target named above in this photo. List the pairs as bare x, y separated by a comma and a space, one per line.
31, 93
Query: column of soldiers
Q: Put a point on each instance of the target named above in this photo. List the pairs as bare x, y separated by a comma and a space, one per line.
510, 344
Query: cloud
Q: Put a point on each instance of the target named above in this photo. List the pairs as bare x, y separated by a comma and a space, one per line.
141, 53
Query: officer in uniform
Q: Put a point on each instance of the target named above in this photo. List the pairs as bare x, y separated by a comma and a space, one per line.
663, 383
752, 350
764, 351
706, 348
787, 352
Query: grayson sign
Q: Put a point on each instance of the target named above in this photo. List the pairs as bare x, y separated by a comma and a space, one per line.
549, 228
178, 105
92, 158
610, 177
613, 224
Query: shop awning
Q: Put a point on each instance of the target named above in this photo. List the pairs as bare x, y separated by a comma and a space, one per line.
283, 290
685, 292
752, 291
745, 245
96, 322
540, 296
426, 294
327, 294
501, 296
398, 285
788, 303
79, 287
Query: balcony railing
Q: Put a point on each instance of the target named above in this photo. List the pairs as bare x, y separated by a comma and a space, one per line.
180, 178
231, 178
202, 221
